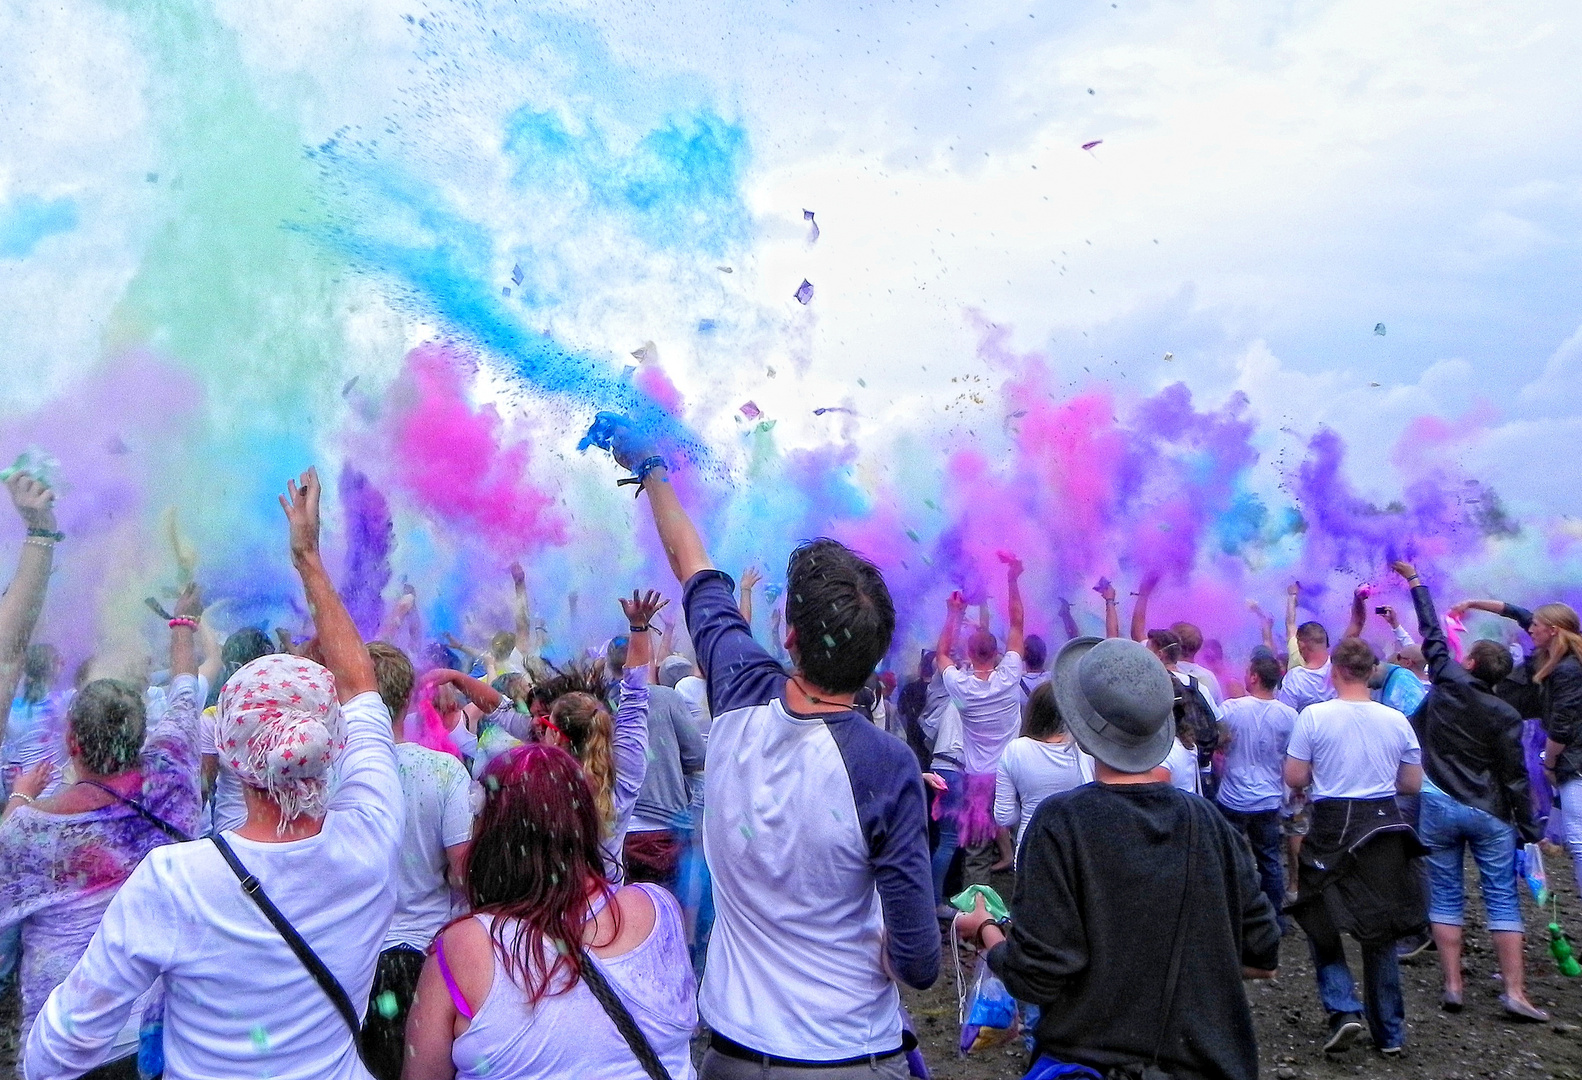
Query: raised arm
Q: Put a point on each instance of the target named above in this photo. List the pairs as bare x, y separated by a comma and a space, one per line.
1112, 608
339, 642
1359, 609
750, 577
1068, 623
1145, 589
1441, 665
955, 606
1014, 638
24, 598
1265, 624
526, 644
1494, 607
1292, 591
480, 693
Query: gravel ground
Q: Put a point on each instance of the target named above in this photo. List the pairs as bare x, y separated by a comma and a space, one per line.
1476, 1044
1290, 1022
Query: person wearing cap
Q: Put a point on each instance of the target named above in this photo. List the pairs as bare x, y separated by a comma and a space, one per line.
1138, 909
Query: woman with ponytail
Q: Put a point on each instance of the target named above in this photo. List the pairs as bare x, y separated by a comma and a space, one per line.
613, 752
513, 991
1557, 643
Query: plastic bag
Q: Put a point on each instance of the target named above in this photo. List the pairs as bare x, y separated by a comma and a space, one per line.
1530, 864
989, 1016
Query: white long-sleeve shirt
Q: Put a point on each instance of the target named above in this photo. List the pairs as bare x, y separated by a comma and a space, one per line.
238, 1001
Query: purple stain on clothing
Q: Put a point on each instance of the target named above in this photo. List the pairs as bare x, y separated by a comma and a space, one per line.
804, 292
370, 540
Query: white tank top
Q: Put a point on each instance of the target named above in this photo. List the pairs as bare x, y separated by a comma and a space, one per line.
569, 1034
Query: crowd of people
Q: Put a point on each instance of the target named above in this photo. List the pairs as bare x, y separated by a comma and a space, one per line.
314, 856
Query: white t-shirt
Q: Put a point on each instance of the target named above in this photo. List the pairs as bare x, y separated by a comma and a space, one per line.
1030, 771
1356, 748
1260, 731
991, 710
1304, 686
695, 692
1183, 767
227, 803
238, 1001
438, 795
1206, 678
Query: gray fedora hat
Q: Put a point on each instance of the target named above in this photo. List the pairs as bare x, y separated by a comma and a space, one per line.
1116, 697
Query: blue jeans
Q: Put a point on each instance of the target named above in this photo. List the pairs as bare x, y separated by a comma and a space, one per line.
1262, 830
1571, 821
1447, 828
1385, 1009
945, 853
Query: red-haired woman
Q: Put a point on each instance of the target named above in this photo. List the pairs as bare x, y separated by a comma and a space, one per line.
511, 991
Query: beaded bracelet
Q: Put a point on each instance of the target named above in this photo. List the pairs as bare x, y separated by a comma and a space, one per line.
46, 534
190, 624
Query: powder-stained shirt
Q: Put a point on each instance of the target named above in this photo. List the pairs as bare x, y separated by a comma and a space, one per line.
438, 795
62, 870
816, 833
1260, 731
1304, 686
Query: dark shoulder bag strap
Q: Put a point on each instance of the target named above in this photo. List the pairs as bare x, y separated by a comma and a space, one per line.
1173, 973
616, 1010
164, 826
310, 960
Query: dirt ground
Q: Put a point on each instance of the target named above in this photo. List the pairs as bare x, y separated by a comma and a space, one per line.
1290, 1022
1476, 1044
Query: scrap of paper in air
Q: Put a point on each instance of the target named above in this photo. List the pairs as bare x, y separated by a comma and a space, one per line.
1091, 145
1378, 328
812, 232
804, 292
751, 411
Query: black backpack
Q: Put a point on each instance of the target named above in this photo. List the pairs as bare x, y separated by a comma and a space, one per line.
1192, 707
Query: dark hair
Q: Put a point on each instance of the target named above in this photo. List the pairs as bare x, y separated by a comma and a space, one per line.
1355, 657
39, 670
108, 719
394, 676
1191, 637
840, 609
1166, 644
910, 703
1491, 662
1041, 715
1266, 669
239, 650
1034, 652
1312, 633
536, 848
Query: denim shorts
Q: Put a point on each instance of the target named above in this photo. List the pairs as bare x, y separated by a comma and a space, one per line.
1447, 828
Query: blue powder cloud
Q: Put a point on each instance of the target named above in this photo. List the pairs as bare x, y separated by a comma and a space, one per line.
29, 219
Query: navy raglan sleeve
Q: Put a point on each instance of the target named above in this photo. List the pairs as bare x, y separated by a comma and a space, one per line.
738, 671
887, 787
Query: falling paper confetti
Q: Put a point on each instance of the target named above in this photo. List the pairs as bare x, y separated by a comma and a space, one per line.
516, 274
913, 534
751, 411
1095, 142
724, 269
804, 292
812, 235
833, 408
351, 382
1169, 356
646, 353
1378, 328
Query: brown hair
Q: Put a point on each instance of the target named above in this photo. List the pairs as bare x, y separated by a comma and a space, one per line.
1562, 619
1355, 657
394, 675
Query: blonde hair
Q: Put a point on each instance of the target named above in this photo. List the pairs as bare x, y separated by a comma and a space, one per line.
1562, 619
587, 725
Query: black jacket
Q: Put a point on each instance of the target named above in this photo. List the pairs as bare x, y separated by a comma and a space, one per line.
1099, 885
1562, 705
1472, 740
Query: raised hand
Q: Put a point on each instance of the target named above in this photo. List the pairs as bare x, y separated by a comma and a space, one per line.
641, 608
956, 603
1013, 565
518, 575
1459, 610
1404, 568
33, 782
750, 578
1388, 614
302, 511
34, 500
189, 605
1294, 589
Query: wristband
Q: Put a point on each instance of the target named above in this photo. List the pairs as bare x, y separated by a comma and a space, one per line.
641, 629
46, 534
24, 796
646, 466
190, 624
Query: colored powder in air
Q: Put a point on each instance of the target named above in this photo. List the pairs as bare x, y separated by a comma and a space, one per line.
370, 540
